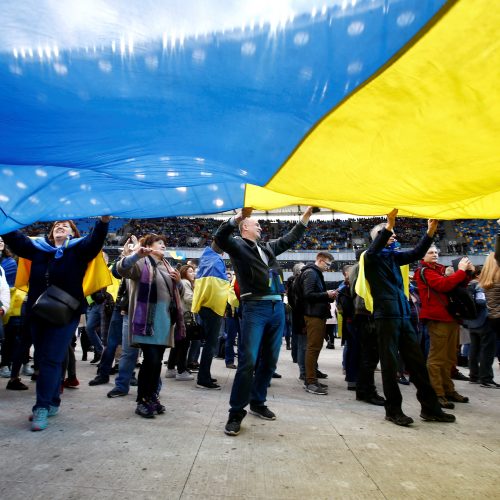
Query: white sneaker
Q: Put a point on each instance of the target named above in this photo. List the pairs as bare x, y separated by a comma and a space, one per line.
27, 370
5, 372
184, 376
170, 373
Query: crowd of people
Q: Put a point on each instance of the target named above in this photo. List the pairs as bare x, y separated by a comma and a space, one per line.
56, 288
465, 237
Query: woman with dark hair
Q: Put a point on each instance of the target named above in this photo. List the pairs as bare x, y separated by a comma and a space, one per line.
178, 354
154, 308
59, 260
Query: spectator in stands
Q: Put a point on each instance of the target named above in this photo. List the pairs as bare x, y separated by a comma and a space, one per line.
209, 301
60, 260
154, 308
433, 284
381, 266
316, 308
263, 314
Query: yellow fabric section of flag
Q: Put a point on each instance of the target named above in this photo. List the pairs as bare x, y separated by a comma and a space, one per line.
210, 292
97, 275
422, 136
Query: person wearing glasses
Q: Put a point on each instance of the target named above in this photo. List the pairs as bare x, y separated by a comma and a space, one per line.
316, 303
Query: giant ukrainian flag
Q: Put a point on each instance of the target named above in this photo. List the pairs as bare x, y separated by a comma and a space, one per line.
158, 108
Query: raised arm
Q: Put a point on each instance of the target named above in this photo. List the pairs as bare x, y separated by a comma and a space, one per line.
288, 240
20, 244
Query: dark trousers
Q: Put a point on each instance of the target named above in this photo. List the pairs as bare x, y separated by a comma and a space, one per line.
211, 324
178, 355
369, 357
482, 353
149, 373
398, 335
353, 352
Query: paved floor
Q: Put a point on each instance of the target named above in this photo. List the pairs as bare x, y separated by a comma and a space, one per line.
320, 447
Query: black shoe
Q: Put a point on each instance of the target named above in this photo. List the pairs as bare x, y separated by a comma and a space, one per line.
96, 358
211, 385
403, 380
262, 412
232, 366
437, 417
330, 345
100, 379
114, 370
233, 424
34, 377
321, 374
459, 376
374, 399
16, 385
400, 419
490, 385
116, 393
134, 382
145, 410
276, 375
84, 356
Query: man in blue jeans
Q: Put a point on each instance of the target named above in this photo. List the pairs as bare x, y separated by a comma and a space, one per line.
262, 310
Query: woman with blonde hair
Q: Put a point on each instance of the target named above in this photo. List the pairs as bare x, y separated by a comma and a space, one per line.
489, 281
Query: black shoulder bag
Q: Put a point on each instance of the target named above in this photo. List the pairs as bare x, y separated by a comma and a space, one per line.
55, 305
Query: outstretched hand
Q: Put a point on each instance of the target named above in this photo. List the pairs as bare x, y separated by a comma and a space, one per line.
432, 225
391, 219
243, 214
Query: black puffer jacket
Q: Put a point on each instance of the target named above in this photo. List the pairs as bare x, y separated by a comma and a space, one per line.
316, 301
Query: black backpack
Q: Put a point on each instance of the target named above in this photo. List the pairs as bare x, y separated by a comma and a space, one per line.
461, 304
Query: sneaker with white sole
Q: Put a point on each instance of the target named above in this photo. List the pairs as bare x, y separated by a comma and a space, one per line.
40, 419
171, 373
184, 376
262, 412
5, 372
316, 389
27, 370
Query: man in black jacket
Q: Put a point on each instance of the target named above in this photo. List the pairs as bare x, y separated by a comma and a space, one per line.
395, 332
262, 310
316, 304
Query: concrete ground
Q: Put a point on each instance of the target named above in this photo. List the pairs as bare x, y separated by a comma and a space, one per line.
320, 447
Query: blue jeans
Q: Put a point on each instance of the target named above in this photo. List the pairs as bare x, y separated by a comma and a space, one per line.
114, 340
262, 322
301, 353
232, 327
94, 321
211, 323
127, 362
51, 347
